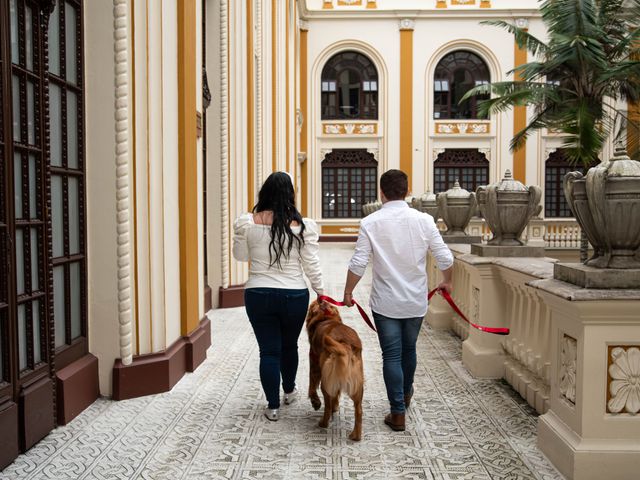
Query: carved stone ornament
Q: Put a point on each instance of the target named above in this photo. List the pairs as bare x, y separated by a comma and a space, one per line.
606, 203
507, 207
407, 24
462, 128
456, 206
624, 380
568, 368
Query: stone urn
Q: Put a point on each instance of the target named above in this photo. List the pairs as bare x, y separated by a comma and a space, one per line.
456, 207
428, 204
508, 206
369, 208
606, 204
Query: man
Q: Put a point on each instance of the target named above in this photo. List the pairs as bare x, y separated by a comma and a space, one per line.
398, 237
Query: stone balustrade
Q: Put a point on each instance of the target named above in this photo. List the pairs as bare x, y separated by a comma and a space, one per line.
572, 353
494, 292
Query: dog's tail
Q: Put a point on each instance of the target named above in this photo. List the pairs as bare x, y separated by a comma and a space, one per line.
341, 372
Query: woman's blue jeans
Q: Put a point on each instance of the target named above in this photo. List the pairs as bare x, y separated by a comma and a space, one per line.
398, 337
277, 316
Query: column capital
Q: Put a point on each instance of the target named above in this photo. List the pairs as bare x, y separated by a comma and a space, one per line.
407, 24
522, 23
303, 25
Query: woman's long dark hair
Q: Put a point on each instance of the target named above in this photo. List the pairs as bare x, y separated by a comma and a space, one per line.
278, 196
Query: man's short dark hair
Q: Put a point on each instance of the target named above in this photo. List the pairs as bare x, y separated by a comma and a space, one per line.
394, 184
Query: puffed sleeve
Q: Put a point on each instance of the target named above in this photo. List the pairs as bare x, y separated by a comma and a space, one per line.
240, 244
309, 255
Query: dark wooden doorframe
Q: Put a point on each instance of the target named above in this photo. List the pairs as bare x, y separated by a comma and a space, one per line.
28, 342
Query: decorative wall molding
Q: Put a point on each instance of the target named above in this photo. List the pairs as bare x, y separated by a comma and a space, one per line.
407, 24
486, 152
324, 152
327, 4
623, 379
121, 61
257, 51
374, 152
350, 128
462, 128
349, 3
463, 2
437, 152
568, 368
224, 141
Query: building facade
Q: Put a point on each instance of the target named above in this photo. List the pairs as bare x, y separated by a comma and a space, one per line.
133, 132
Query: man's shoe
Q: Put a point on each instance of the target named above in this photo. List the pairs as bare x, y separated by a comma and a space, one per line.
407, 399
271, 414
290, 397
395, 421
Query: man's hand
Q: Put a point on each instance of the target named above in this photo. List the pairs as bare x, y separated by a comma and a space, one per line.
348, 299
447, 286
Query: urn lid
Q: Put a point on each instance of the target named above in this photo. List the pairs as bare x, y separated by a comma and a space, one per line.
457, 191
621, 165
510, 184
428, 197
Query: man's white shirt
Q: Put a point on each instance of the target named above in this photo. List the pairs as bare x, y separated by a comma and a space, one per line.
397, 238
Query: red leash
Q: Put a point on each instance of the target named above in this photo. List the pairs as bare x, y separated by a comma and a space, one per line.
445, 295
364, 315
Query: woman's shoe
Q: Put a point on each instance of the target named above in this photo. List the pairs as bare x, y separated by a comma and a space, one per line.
271, 414
291, 397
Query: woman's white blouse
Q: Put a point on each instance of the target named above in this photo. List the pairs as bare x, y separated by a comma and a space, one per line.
251, 243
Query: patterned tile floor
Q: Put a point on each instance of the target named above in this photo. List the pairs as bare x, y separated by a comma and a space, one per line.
210, 426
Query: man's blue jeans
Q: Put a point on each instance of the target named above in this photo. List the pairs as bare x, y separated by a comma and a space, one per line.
398, 337
277, 316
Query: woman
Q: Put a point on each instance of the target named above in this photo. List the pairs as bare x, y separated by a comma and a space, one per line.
279, 245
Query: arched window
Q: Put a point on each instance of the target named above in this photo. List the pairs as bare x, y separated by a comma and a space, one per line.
456, 74
556, 167
467, 165
349, 177
349, 88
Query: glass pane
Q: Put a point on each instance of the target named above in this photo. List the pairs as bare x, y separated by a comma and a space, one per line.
70, 42
33, 198
37, 348
74, 216
17, 184
28, 26
75, 286
15, 47
22, 336
20, 260
58, 305
54, 41
35, 249
2, 337
57, 215
55, 113
72, 130
31, 115
15, 93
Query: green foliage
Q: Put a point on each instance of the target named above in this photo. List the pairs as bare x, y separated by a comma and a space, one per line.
578, 77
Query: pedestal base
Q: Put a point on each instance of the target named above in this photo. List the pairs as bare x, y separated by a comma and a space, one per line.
482, 362
599, 278
462, 239
581, 459
502, 251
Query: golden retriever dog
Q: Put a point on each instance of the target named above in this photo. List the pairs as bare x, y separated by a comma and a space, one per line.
335, 357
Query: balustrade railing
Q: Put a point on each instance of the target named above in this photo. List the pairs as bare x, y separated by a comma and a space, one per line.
524, 356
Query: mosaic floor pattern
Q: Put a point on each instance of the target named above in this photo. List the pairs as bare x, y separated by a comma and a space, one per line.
210, 426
